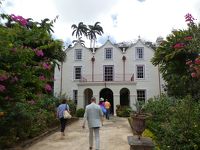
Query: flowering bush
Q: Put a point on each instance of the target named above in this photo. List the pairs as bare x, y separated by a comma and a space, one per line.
28, 55
194, 64
178, 59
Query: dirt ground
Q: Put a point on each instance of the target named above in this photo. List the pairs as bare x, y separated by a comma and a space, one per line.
113, 136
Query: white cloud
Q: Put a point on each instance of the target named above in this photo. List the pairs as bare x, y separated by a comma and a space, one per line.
123, 20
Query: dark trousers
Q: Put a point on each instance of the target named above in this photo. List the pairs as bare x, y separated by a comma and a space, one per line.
63, 124
108, 114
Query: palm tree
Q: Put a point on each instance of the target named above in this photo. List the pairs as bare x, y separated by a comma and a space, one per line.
82, 42
79, 30
93, 30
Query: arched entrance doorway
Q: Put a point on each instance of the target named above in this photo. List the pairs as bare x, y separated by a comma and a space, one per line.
88, 93
107, 93
124, 97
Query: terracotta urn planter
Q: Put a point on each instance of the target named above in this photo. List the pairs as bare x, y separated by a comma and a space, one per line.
138, 123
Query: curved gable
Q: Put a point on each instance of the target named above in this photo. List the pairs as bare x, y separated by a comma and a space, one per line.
77, 46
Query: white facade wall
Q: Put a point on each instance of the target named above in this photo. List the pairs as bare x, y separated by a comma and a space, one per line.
69, 84
150, 83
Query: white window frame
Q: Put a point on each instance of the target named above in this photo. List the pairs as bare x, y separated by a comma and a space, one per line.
139, 53
108, 53
75, 74
108, 77
144, 97
137, 75
78, 54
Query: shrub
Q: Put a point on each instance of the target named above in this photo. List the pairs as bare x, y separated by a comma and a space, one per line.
123, 111
175, 122
72, 107
148, 133
80, 112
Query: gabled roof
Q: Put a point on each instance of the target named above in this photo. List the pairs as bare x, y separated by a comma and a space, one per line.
123, 46
141, 42
109, 42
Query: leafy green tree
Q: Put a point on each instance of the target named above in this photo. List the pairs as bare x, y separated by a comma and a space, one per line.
172, 56
28, 54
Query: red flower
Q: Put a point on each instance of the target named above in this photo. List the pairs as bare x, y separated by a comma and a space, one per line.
179, 45
188, 38
197, 61
189, 62
194, 75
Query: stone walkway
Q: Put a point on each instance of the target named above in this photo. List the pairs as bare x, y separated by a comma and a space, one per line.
113, 136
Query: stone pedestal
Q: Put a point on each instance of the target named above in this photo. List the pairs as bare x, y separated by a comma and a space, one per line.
144, 143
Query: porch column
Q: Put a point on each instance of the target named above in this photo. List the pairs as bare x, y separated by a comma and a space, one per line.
81, 98
116, 102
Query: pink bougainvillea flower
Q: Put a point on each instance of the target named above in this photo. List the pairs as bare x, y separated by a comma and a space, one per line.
2, 88
42, 77
3, 77
46, 66
189, 62
189, 18
48, 88
193, 74
188, 38
19, 19
39, 53
179, 45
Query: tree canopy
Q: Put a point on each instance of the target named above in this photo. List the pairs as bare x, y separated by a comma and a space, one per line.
172, 56
28, 55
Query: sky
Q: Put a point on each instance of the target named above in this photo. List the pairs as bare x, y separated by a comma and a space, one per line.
122, 20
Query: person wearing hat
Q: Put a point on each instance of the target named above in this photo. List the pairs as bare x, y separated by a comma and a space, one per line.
102, 105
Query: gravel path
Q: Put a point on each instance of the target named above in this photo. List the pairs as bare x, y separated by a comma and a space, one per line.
113, 136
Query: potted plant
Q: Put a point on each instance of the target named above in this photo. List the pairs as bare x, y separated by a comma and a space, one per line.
138, 118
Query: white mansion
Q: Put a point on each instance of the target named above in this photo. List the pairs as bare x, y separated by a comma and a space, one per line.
120, 74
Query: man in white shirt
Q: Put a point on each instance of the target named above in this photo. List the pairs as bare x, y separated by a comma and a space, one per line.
94, 116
